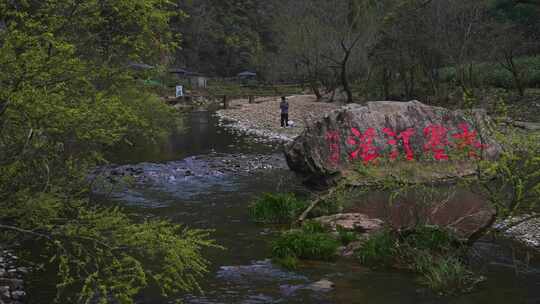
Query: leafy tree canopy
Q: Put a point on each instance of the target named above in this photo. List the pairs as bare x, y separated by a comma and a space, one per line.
67, 96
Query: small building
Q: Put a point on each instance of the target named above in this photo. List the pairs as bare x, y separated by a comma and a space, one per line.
247, 75
194, 79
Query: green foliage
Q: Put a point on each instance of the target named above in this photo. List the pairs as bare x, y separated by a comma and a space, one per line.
67, 98
313, 227
512, 182
114, 253
276, 208
379, 251
430, 238
305, 243
224, 37
492, 74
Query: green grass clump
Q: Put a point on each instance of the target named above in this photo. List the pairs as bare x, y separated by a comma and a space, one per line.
310, 243
278, 208
346, 237
431, 252
313, 227
288, 262
448, 275
379, 251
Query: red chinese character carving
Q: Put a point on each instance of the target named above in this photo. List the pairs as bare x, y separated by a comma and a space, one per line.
332, 138
364, 143
468, 139
405, 136
437, 141
392, 141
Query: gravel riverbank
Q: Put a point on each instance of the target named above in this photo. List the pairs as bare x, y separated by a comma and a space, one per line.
523, 230
11, 279
262, 118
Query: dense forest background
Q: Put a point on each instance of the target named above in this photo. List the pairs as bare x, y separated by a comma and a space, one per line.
397, 49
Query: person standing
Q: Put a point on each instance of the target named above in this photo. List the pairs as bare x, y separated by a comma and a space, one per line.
284, 106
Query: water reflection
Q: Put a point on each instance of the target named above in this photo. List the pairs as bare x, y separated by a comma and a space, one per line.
241, 273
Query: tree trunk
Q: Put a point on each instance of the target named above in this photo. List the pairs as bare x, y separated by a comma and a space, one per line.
518, 82
386, 83
225, 102
345, 78
316, 91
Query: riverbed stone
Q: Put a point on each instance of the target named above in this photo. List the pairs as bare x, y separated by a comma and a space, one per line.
351, 221
18, 295
13, 283
4, 289
323, 151
323, 285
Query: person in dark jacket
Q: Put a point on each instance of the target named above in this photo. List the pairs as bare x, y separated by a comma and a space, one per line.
284, 106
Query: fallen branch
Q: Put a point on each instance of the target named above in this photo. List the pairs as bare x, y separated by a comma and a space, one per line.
314, 203
25, 231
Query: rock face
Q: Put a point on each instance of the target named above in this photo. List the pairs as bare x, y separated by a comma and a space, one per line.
386, 129
459, 210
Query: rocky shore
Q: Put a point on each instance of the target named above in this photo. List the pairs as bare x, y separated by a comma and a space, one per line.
261, 119
11, 279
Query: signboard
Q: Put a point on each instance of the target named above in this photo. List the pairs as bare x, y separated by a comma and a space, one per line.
179, 91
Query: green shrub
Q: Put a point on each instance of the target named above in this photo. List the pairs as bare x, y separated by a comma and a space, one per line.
303, 244
379, 250
276, 208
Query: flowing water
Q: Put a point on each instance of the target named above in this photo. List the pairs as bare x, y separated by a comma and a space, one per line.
189, 182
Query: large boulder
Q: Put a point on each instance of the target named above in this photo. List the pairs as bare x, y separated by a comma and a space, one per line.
388, 130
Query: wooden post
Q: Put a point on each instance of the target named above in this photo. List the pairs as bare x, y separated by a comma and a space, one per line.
225, 102
251, 98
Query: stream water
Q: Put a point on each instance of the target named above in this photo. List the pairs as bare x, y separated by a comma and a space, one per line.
212, 198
